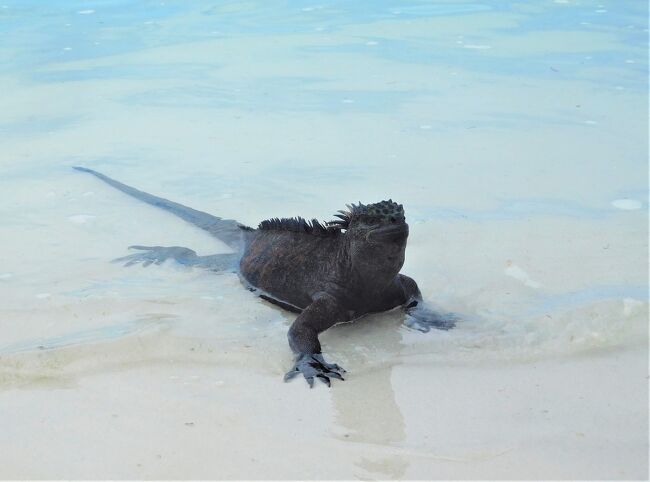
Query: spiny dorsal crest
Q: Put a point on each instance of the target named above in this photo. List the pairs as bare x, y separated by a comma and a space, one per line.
384, 210
297, 225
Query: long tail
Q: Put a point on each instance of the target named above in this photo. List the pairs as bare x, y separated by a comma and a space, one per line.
227, 230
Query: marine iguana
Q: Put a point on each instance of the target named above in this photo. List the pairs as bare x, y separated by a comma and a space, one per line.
329, 272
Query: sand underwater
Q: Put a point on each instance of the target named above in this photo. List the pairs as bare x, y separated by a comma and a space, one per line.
515, 135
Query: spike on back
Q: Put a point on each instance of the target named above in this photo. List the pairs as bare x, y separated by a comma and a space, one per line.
296, 225
384, 210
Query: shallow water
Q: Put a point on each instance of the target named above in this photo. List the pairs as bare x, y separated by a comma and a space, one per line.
515, 135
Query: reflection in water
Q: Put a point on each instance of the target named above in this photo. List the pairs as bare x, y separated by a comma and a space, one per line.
366, 410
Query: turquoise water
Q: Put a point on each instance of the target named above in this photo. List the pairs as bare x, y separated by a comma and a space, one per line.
515, 135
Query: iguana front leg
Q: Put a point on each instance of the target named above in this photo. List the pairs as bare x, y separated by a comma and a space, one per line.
324, 312
405, 292
185, 256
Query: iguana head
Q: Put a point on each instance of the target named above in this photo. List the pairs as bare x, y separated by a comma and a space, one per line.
377, 236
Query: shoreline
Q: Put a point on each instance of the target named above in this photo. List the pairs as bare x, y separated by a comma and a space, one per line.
577, 417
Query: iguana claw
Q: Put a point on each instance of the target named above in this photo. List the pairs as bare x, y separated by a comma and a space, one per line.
314, 366
424, 319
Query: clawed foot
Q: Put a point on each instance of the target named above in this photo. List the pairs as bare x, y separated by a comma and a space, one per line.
424, 319
158, 255
314, 366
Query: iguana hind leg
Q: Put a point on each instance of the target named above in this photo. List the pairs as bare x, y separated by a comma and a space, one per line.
185, 256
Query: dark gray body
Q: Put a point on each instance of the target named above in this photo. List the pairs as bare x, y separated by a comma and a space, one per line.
295, 267
327, 274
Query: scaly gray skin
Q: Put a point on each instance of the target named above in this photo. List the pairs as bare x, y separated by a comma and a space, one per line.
328, 273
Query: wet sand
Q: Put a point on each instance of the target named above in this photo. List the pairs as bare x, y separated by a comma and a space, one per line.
409, 419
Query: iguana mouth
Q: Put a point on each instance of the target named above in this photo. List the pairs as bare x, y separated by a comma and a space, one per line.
392, 232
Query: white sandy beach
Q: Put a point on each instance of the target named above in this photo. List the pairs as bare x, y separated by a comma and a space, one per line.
206, 419
515, 136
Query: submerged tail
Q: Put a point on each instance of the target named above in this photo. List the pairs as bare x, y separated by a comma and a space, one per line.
227, 230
